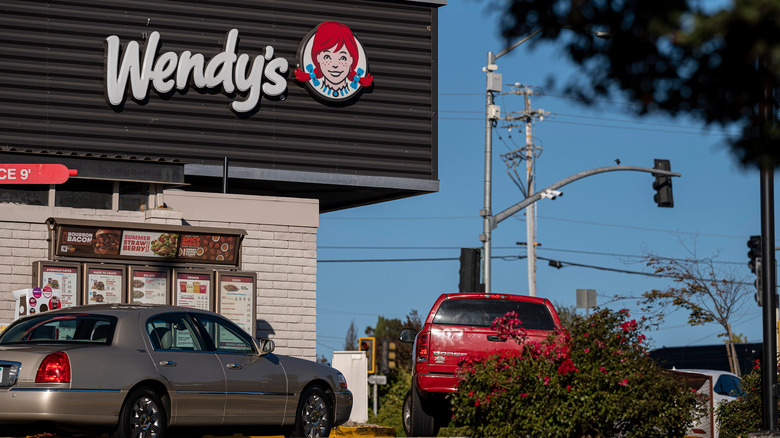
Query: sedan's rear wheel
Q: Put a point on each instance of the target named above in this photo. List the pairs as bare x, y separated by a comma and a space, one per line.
142, 416
315, 414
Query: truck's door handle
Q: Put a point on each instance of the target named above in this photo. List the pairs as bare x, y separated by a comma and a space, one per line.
167, 363
495, 338
234, 366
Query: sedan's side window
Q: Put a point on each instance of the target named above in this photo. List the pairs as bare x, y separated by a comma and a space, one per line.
227, 337
173, 331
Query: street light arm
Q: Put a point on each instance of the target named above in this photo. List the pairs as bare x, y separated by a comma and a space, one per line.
495, 220
514, 46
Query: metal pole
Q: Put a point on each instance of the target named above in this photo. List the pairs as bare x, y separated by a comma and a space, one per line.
530, 212
375, 395
487, 210
768, 274
768, 280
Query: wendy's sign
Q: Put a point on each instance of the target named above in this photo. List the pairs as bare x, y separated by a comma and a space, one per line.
251, 76
333, 63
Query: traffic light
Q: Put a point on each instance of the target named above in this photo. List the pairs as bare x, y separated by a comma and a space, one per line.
387, 362
663, 185
391, 355
368, 345
469, 270
754, 254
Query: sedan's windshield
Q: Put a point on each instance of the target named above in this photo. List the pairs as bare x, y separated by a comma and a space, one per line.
482, 313
76, 327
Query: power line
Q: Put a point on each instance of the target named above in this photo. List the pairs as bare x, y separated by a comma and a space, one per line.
602, 224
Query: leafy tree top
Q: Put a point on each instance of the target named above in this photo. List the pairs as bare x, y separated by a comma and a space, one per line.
670, 56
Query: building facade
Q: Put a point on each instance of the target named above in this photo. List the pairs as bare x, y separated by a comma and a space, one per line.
184, 121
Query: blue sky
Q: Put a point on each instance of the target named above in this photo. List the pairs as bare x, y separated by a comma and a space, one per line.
607, 220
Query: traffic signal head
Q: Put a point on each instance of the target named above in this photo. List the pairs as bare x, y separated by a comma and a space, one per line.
469, 270
663, 185
754, 253
368, 345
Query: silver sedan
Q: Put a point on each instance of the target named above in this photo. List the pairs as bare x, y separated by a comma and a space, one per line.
136, 371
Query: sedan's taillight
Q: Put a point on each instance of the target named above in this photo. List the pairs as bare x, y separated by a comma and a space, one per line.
55, 368
422, 347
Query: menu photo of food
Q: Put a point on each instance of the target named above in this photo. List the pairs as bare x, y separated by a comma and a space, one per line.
106, 241
149, 244
208, 247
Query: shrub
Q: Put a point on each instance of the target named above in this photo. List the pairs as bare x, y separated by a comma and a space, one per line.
743, 415
594, 380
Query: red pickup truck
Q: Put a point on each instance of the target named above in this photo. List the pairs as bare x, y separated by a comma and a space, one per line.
458, 325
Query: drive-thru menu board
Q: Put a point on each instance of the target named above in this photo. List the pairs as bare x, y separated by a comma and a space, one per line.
104, 284
236, 298
148, 286
193, 289
63, 278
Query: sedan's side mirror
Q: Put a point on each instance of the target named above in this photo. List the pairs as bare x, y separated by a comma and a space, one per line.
266, 346
407, 335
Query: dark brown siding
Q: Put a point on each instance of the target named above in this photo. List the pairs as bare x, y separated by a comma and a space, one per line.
52, 94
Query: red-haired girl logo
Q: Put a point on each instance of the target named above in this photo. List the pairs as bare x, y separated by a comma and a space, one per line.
333, 64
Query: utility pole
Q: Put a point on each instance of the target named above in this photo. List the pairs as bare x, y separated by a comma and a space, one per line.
530, 152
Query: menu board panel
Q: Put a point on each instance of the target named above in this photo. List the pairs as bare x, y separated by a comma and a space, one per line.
62, 278
104, 284
193, 289
236, 298
148, 286
210, 247
155, 245
148, 244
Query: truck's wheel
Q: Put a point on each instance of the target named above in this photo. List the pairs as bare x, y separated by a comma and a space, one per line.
421, 424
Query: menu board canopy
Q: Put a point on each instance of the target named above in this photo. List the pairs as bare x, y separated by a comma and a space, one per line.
148, 242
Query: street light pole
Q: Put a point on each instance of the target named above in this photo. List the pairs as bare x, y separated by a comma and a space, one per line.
492, 113
486, 212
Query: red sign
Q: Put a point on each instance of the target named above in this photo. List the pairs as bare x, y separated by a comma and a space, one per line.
35, 173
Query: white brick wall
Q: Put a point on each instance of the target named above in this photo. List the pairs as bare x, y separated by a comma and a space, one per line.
280, 246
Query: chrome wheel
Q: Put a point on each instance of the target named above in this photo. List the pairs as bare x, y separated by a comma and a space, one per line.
145, 418
315, 415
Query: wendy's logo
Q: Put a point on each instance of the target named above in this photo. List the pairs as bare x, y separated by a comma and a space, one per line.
333, 64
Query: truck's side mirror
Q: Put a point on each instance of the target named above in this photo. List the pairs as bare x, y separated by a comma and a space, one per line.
407, 335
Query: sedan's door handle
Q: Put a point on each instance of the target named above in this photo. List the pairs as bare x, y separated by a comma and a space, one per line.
495, 338
234, 366
168, 363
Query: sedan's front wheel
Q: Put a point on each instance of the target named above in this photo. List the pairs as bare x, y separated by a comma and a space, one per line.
315, 414
142, 416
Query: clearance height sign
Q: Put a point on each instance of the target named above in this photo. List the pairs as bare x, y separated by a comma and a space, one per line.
35, 173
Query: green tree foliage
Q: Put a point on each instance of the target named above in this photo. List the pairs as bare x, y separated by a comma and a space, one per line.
594, 380
387, 330
669, 56
391, 403
743, 415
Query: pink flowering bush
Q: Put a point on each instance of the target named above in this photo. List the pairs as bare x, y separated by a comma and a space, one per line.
593, 380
